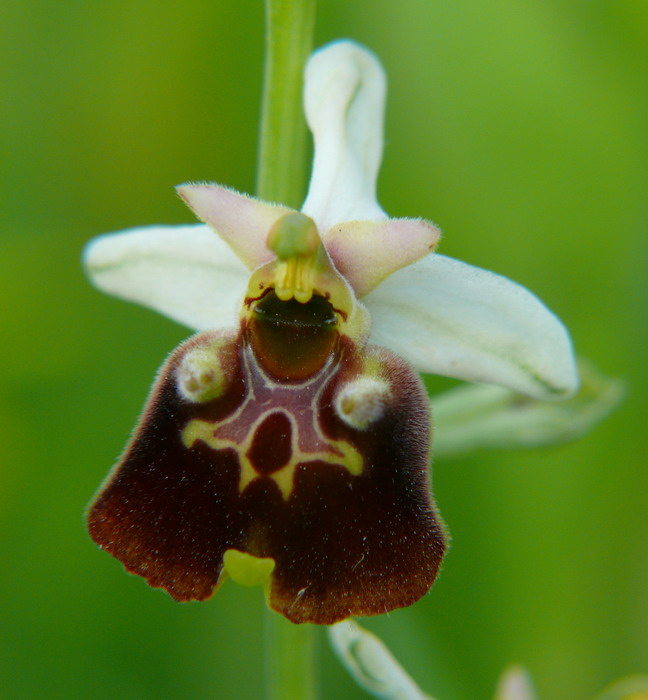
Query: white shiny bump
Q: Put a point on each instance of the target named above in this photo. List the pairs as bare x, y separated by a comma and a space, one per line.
361, 402
199, 376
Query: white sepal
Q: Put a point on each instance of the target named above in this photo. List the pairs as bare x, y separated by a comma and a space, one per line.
453, 319
186, 272
344, 100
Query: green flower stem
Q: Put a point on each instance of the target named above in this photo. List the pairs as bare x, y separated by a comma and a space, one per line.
290, 659
281, 178
282, 146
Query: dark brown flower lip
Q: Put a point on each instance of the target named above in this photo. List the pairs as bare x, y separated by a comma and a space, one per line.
345, 513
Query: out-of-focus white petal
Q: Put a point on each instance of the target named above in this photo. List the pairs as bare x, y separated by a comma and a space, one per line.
344, 100
482, 416
370, 662
366, 252
186, 272
450, 318
515, 684
242, 221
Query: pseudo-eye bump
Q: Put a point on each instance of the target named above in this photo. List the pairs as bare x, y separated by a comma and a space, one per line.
361, 402
200, 376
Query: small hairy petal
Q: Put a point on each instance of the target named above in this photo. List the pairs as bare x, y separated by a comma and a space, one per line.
366, 252
185, 272
450, 318
243, 222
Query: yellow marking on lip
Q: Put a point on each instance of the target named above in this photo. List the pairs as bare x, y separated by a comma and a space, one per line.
341, 452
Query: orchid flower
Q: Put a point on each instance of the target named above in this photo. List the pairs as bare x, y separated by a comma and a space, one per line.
288, 442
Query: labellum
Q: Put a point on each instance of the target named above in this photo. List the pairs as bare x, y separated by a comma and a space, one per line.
287, 452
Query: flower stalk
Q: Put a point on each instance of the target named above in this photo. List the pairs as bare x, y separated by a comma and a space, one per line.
281, 177
282, 145
289, 659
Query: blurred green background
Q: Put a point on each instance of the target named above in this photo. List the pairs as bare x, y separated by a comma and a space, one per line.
520, 128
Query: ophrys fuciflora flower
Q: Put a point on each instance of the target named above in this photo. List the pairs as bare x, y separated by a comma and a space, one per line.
283, 446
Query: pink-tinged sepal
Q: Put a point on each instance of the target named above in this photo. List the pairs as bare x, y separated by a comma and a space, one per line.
241, 221
367, 252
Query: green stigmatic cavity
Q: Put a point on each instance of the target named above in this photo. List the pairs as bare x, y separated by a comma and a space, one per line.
288, 441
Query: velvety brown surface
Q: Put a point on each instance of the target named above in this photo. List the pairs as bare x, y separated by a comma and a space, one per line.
166, 511
367, 544
343, 545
